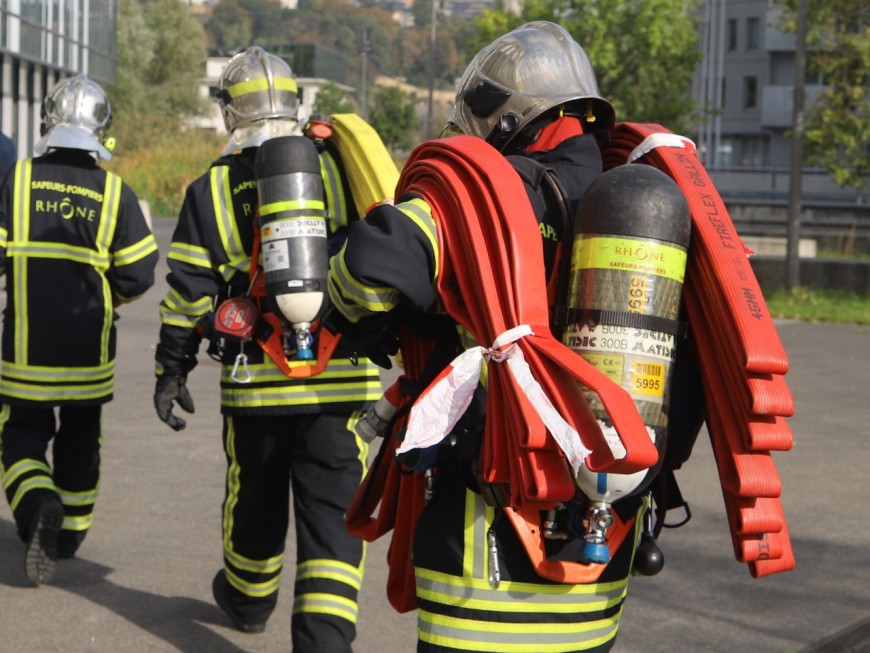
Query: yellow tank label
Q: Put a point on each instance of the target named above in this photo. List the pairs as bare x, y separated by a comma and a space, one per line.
647, 379
631, 255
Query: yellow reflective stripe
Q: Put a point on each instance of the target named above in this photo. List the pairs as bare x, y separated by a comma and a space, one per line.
374, 299
78, 522
253, 589
225, 217
239, 397
83, 255
291, 205
41, 482
362, 450
4, 236
105, 236
514, 596
23, 466
109, 213
500, 637
176, 302
55, 392
332, 569
45, 374
135, 252
232, 497
333, 190
21, 229
86, 498
420, 214
176, 319
321, 603
262, 84
191, 254
474, 535
338, 368
350, 309
268, 566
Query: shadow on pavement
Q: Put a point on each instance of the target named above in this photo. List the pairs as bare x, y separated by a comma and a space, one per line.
176, 620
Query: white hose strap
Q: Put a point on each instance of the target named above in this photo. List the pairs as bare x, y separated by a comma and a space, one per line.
437, 411
653, 141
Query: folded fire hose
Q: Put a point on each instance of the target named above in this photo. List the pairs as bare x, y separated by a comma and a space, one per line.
492, 283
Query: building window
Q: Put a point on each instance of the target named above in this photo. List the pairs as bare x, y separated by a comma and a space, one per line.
752, 33
750, 92
731, 34
752, 152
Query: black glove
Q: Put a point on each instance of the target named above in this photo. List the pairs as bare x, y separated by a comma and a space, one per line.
373, 337
169, 388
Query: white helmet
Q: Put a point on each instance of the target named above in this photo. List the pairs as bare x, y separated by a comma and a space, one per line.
533, 70
258, 96
75, 115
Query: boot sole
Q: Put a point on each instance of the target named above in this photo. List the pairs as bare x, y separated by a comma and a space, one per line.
40, 558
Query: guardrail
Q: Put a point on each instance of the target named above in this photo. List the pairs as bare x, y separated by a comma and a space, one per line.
844, 229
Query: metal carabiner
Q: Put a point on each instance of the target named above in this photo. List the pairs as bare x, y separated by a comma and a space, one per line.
494, 571
241, 360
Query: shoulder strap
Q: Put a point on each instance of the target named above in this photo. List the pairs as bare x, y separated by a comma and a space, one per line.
552, 194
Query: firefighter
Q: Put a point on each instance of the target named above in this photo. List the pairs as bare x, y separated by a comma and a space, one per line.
533, 95
74, 245
281, 435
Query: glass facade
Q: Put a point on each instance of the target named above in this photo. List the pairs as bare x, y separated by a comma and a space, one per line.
68, 35
42, 41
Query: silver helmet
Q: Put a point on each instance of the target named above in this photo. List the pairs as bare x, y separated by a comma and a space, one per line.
258, 96
532, 70
75, 115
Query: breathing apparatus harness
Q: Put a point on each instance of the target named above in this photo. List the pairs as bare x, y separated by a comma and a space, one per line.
305, 349
734, 345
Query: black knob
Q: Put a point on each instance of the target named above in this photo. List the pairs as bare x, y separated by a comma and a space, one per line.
648, 559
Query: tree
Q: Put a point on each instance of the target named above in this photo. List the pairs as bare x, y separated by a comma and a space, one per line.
838, 56
229, 25
644, 52
331, 99
394, 117
161, 58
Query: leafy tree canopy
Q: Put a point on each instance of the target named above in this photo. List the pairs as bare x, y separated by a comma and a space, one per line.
331, 99
644, 52
394, 117
838, 56
161, 57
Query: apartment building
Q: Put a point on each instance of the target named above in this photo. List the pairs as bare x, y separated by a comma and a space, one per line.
746, 80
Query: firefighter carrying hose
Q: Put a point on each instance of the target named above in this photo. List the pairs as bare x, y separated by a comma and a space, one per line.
74, 245
281, 434
531, 94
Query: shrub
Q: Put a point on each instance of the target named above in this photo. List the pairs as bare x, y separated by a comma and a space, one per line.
158, 160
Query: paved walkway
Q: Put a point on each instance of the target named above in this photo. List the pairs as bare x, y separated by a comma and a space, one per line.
142, 581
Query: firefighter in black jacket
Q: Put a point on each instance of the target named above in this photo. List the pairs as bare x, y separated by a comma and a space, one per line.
74, 244
279, 433
532, 94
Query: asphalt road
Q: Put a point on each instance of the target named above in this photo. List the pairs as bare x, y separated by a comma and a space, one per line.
142, 579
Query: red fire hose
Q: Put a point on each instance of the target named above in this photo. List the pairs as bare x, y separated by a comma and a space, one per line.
741, 358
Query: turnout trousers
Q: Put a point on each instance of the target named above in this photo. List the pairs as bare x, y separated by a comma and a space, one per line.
458, 542
73, 475
319, 460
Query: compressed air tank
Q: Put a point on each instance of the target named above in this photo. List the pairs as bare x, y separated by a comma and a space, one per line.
628, 261
292, 215
631, 237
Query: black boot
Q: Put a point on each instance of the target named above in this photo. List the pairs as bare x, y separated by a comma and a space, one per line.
40, 558
220, 588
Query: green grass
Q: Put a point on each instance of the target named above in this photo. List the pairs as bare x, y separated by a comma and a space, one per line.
819, 306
